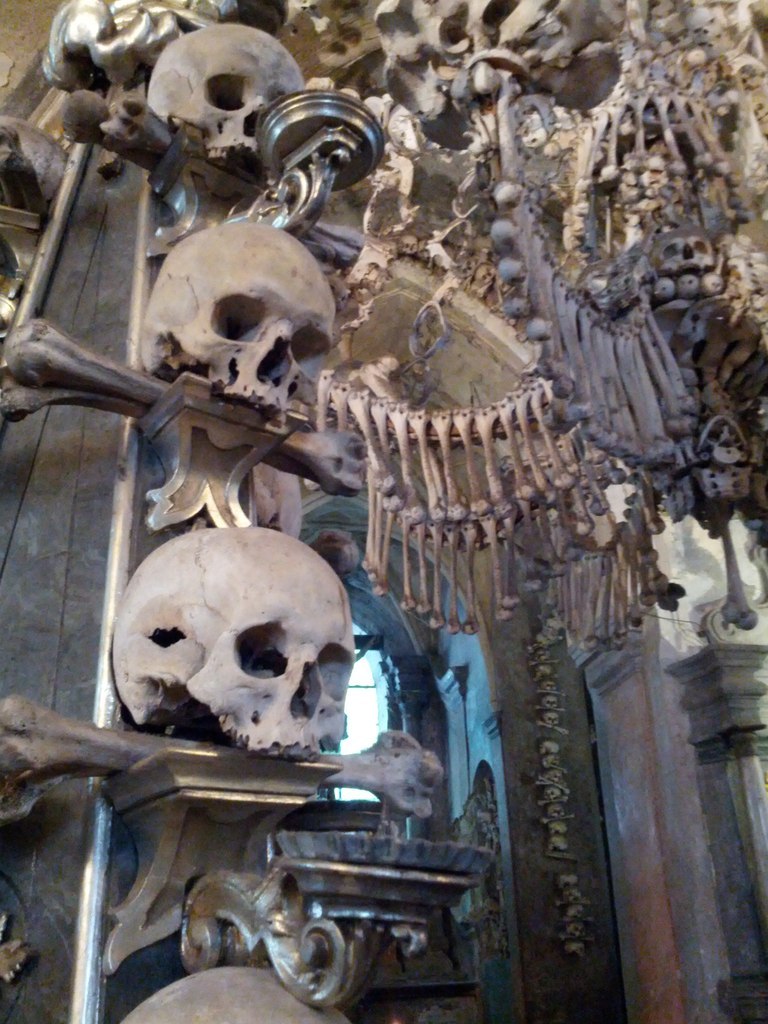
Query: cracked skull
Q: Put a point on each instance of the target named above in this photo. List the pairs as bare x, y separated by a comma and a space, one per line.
218, 79
249, 624
248, 305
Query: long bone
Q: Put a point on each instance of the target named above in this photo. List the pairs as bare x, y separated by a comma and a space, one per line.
540, 479
324, 386
675, 422
419, 423
360, 407
562, 479
478, 502
383, 585
393, 500
407, 602
581, 404
490, 529
39, 356
522, 488
643, 400
340, 399
39, 747
422, 606
671, 369
456, 510
485, 419
453, 624
413, 511
469, 533
437, 619
610, 425
374, 519
736, 610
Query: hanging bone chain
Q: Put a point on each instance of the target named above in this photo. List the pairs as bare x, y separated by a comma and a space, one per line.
499, 478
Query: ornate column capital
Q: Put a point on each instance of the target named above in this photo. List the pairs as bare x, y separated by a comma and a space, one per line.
722, 688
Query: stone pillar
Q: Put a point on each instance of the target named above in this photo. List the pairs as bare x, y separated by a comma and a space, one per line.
722, 688
629, 767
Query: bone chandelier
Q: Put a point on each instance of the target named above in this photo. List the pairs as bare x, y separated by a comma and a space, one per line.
606, 155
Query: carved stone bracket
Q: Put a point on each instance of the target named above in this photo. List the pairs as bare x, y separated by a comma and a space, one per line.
191, 812
206, 447
322, 922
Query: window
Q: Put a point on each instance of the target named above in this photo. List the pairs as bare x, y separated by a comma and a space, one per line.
365, 715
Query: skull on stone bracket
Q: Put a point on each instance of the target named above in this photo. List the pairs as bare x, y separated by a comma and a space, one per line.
248, 305
248, 624
218, 79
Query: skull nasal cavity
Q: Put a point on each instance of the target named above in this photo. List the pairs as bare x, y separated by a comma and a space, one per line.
237, 317
225, 92
260, 651
276, 363
167, 637
306, 698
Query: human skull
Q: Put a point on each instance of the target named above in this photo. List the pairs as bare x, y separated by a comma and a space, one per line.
683, 251
251, 625
218, 79
248, 305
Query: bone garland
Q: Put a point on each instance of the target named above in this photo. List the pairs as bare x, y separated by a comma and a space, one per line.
86, 35
434, 447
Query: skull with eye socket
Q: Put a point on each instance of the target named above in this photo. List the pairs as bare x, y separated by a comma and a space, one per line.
245, 304
218, 79
248, 624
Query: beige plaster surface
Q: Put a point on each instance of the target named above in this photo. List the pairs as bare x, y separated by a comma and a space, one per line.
24, 28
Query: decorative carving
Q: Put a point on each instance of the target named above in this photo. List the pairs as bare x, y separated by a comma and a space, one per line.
89, 36
323, 922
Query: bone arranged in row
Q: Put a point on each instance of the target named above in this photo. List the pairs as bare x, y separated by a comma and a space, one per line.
439, 560
623, 385
453, 465
603, 595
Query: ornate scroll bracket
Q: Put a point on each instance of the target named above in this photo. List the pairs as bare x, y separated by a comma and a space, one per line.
206, 447
322, 922
191, 812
